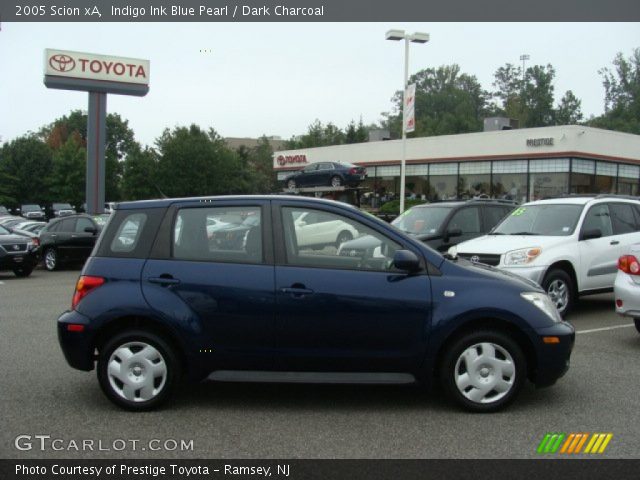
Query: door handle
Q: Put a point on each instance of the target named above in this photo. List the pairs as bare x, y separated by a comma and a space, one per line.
297, 291
164, 280
74, 236
614, 242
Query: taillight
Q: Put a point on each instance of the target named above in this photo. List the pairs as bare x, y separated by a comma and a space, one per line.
84, 285
629, 264
353, 171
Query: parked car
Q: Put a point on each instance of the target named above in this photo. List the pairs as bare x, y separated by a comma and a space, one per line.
441, 225
317, 230
170, 304
32, 211
10, 222
33, 227
627, 285
17, 253
4, 211
68, 240
62, 210
568, 245
333, 174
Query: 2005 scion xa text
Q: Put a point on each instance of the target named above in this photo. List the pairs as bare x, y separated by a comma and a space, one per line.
159, 300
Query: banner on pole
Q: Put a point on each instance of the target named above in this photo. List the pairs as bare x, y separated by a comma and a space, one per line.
410, 108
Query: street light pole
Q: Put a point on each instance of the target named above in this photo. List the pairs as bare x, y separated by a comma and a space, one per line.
415, 38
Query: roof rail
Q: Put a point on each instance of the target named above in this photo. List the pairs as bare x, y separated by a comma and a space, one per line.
592, 195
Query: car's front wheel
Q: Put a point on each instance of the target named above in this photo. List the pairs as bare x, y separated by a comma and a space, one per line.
559, 286
137, 370
291, 184
483, 371
343, 237
637, 322
22, 271
51, 259
336, 181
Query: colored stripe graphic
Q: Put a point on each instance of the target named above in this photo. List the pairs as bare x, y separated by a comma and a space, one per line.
573, 443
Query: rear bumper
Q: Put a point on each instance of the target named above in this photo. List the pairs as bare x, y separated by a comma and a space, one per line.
627, 290
553, 358
77, 347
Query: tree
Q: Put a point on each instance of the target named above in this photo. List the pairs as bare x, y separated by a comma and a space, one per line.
139, 174
67, 179
26, 162
447, 102
622, 94
259, 163
356, 133
194, 162
569, 111
538, 96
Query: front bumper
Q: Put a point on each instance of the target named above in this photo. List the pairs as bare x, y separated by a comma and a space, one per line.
627, 289
77, 347
532, 273
553, 359
27, 259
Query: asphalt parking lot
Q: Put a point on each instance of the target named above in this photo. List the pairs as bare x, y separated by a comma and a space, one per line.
41, 395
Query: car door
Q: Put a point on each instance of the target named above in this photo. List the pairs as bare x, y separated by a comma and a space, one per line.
63, 241
342, 313
466, 220
82, 240
225, 293
307, 177
323, 174
598, 256
626, 228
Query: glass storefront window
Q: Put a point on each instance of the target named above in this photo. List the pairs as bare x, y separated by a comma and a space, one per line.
444, 181
475, 179
628, 179
510, 186
548, 178
606, 174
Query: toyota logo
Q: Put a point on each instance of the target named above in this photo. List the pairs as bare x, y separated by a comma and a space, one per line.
281, 160
475, 258
62, 63
16, 247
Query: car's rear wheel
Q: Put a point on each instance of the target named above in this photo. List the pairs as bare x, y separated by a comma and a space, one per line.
291, 184
137, 370
22, 271
336, 181
637, 322
483, 371
343, 236
559, 286
51, 259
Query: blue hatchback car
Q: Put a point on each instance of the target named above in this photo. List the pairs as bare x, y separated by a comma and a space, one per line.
158, 301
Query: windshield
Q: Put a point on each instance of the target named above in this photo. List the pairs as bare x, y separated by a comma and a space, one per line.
4, 231
30, 208
61, 206
547, 220
421, 220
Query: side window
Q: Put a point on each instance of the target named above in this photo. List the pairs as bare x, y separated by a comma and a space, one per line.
325, 166
83, 223
67, 225
235, 235
340, 242
128, 234
622, 218
53, 227
598, 218
310, 168
493, 215
466, 219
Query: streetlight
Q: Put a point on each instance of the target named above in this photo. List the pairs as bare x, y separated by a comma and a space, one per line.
523, 59
416, 37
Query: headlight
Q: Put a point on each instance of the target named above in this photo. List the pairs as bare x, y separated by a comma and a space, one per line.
453, 251
544, 303
522, 256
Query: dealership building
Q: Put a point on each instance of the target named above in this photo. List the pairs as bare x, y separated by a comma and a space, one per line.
521, 164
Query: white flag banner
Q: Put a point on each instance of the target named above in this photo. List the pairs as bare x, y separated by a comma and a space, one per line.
410, 108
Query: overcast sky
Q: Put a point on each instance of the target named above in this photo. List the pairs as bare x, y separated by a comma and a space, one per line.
277, 78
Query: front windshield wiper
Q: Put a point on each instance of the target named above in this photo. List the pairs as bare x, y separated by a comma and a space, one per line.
524, 233
496, 233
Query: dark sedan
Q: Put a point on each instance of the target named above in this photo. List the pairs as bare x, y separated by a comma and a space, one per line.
68, 240
331, 174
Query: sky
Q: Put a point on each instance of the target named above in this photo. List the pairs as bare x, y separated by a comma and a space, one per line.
253, 79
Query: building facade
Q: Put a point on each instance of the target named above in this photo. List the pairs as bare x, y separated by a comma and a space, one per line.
522, 165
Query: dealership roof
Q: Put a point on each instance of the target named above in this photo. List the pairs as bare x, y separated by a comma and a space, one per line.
542, 142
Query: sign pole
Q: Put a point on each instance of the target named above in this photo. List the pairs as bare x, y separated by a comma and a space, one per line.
96, 133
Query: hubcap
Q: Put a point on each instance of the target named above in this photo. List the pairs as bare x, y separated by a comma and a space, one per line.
335, 182
559, 294
137, 371
50, 259
485, 373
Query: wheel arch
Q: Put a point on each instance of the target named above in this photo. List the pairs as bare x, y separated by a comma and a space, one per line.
568, 268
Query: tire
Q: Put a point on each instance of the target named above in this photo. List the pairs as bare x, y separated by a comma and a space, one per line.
342, 237
123, 363
50, 257
499, 363
335, 181
560, 288
291, 184
22, 272
637, 322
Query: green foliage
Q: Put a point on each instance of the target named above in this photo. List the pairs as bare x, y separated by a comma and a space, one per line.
26, 163
67, 179
447, 102
569, 111
194, 162
139, 174
393, 206
622, 95
257, 162
319, 135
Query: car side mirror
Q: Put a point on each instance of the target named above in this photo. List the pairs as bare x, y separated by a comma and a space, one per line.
91, 230
454, 232
406, 260
591, 233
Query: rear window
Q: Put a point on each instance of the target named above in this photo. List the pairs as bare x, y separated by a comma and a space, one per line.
130, 233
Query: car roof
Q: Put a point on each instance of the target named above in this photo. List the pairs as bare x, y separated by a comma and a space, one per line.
581, 200
166, 202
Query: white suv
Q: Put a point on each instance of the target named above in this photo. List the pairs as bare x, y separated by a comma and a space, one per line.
570, 246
